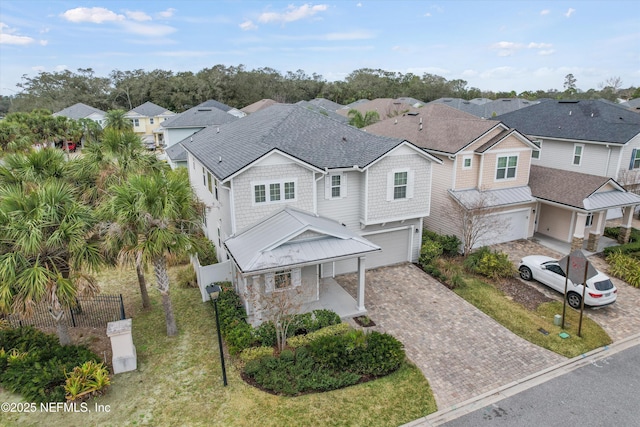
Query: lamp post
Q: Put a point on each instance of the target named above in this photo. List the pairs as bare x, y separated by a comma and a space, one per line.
214, 292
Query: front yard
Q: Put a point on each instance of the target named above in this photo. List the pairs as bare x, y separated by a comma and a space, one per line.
179, 381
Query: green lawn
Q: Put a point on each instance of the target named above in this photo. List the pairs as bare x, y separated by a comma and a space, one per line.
526, 323
178, 381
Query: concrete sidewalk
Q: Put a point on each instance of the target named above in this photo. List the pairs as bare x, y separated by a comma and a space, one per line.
515, 387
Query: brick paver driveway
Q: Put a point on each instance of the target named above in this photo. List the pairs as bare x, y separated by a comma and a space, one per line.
620, 320
460, 350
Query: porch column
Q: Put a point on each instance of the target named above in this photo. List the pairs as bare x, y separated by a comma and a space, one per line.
578, 231
625, 226
361, 271
596, 231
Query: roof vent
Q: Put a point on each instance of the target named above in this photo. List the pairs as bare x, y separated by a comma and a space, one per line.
420, 126
412, 113
218, 130
395, 122
420, 120
191, 139
569, 112
591, 114
205, 109
220, 159
344, 138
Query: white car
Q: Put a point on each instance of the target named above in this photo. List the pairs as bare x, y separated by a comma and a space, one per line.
600, 290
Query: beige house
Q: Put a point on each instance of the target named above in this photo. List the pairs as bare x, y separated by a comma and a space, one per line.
146, 120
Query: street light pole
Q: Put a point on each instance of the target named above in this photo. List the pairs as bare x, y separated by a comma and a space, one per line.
214, 292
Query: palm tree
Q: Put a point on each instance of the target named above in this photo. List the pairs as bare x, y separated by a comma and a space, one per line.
155, 215
358, 120
47, 250
34, 167
116, 119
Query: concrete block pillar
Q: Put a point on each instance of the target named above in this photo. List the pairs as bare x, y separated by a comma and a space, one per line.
624, 235
577, 240
124, 352
625, 227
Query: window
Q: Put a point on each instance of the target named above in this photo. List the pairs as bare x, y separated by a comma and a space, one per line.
400, 185
507, 167
289, 190
466, 162
275, 193
589, 220
150, 120
335, 185
215, 188
535, 154
635, 159
136, 122
282, 279
260, 193
204, 177
209, 186
577, 154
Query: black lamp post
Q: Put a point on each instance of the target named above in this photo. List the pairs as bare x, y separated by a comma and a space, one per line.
214, 292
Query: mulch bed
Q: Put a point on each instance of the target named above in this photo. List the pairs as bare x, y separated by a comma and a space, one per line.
522, 293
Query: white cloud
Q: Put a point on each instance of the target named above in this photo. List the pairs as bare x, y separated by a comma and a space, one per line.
570, 12
151, 30
248, 25
498, 72
533, 45
353, 35
545, 12
359, 4
292, 13
61, 67
469, 73
43, 42
427, 14
510, 48
97, 15
8, 36
546, 52
167, 13
137, 16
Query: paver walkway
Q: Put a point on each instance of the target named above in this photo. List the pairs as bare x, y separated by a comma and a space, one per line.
460, 350
620, 320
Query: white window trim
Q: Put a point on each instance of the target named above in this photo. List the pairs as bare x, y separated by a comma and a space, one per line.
270, 283
589, 221
391, 184
539, 150
464, 159
515, 176
573, 158
636, 157
328, 187
267, 185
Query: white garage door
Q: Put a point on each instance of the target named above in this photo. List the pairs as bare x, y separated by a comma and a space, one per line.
507, 227
395, 248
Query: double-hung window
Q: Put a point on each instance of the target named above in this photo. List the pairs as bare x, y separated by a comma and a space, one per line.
400, 185
335, 185
506, 168
274, 191
635, 159
578, 150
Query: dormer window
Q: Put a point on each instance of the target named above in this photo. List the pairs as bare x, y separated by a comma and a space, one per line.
506, 167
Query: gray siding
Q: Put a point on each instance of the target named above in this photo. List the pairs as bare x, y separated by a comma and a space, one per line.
559, 155
440, 220
347, 209
173, 136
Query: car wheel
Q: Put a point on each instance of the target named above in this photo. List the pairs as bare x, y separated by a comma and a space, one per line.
574, 300
525, 273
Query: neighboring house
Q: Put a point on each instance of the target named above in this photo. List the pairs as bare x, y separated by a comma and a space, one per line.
486, 108
176, 156
258, 105
146, 120
326, 104
329, 113
293, 198
632, 104
385, 107
83, 111
485, 168
224, 107
183, 125
596, 137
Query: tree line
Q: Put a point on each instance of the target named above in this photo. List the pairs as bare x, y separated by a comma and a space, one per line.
238, 87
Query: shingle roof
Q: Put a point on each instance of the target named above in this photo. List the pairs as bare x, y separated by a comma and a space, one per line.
268, 244
586, 120
215, 104
444, 129
326, 104
149, 109
79, 111
176, 153
332, 114
483, 107
200, 116
562, 186
297, 131
385, 107
258, 105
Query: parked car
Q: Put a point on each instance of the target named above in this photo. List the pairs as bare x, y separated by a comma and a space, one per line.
72, 145
150, 145
600, 290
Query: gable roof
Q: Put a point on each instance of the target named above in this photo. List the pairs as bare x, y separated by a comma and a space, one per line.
584, 120
215, 104
291, 129
485, 108
176, 153
578, 190
79, 111
321, 110
435, 127
149, 109
326, 104
270, 244
385, 107
205, 114
258, 105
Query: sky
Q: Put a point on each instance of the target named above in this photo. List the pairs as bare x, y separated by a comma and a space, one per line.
493, 45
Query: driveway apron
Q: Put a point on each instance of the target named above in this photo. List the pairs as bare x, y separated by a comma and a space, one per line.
460, 350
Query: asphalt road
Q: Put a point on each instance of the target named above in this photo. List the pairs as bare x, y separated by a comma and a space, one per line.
605, 392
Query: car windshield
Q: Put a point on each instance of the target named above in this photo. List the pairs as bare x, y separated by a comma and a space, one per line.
604, 285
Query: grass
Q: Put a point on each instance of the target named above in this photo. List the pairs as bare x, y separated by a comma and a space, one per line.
179, 381
525, 323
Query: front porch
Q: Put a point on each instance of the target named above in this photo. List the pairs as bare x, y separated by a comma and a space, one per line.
565, 247
335, 298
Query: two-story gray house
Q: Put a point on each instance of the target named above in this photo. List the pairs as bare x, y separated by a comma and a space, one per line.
294, 197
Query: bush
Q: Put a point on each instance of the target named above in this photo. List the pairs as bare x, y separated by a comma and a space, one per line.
450, 244
381, 355
303, 340
429, 251
206, 251
266, 334
186, 277
309, 322
34, 364
490, 264
624, 267
237, 333
254, 353
90, 379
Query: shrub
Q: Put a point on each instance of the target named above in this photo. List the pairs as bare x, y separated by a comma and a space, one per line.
34, 364
237, 333
429, 251
206, 251
266, 334
309, 322
89, 379
490, 264
254, 353
624, 267
186, 277
381, 355
302, 340
627, 248
450, 244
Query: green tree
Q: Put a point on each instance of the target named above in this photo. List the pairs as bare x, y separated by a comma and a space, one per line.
47, 250
358, 120
570, 85
116, 119
154, 216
